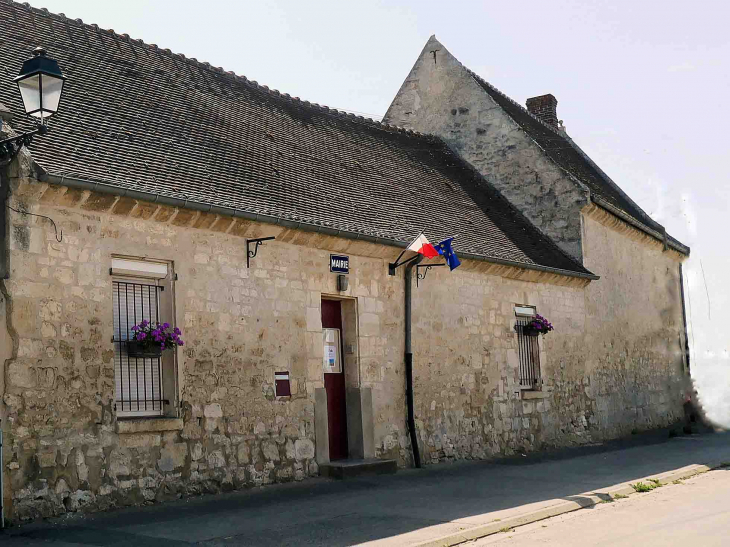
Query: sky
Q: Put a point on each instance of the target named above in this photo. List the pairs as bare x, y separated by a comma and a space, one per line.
642, 86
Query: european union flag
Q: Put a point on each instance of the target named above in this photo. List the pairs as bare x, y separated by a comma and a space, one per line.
444, 248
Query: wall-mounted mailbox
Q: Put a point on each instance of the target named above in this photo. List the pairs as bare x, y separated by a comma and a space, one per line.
283, 386
342, 282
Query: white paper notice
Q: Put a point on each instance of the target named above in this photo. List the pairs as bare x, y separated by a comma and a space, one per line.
330, 355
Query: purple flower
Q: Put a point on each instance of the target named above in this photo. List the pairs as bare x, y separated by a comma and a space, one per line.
177, 331
165, 325
141, 336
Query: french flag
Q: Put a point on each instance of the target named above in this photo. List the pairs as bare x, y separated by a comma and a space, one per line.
423, 246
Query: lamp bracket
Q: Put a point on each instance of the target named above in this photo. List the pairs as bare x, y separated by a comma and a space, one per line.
251, 254
10, 147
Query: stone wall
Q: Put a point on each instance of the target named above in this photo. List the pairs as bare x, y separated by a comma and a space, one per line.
440, 97
66, 450
636, 339
614, 364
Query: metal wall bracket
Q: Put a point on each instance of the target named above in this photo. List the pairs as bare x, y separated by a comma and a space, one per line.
425, 267
10, 147
393, 266
251, 254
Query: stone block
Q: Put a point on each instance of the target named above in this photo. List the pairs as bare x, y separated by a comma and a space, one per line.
149, 425
270, 450
304, 449
120, 462
216, 459
140, 440
172, 457
213, 411
62, 487
21, 374
196, 453
243, 453
314, 319
79, 500
47, 458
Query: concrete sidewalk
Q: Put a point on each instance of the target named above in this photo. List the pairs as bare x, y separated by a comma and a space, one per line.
439, 505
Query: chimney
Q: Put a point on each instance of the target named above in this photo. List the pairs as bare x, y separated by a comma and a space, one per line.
544, 108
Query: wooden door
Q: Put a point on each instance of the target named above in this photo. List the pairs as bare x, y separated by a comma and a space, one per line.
334, 383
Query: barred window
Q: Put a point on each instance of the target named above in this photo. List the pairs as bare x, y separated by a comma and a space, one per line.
528, 349
142, 385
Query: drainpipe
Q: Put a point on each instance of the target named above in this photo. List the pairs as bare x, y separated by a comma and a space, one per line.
2, 483
4, 224
409, 363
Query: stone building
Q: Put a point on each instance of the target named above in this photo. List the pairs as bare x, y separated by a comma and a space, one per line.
160, 172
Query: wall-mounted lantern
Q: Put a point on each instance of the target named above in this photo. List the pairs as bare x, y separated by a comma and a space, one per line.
40, 83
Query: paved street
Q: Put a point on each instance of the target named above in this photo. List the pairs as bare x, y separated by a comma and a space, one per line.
695, 512
396, 510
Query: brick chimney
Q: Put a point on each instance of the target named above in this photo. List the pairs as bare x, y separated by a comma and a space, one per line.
544, 108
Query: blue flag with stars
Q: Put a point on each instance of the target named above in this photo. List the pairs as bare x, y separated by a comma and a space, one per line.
444, 248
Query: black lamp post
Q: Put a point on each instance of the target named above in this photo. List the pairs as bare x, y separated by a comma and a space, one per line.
40, 83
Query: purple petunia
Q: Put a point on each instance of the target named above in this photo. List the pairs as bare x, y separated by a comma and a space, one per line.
151, 334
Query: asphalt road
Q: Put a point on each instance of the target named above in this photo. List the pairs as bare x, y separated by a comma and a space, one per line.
694, 513
386, 511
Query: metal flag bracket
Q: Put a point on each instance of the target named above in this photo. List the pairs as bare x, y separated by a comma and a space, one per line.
395, 265
425, 267
251, 254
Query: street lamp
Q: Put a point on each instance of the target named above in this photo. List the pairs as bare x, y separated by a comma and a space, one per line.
40, 83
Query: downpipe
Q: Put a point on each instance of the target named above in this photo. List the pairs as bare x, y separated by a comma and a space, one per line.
409, 361
2, 482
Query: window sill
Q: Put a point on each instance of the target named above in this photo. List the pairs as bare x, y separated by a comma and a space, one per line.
527, 394
148, 425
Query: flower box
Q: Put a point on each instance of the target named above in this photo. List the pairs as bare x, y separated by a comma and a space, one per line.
145, 351
150, 340
529, 330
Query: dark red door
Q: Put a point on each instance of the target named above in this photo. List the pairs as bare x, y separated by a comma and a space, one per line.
334, 383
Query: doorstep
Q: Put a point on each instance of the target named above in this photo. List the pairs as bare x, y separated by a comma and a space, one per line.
348, 469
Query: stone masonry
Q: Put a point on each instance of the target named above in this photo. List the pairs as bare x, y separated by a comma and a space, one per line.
612, 365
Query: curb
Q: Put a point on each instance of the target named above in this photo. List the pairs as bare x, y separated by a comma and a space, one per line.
585, 500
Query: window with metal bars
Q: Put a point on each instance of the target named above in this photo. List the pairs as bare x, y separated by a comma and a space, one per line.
138, 380
528, 350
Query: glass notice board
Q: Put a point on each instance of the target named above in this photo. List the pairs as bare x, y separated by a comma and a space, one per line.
332, 360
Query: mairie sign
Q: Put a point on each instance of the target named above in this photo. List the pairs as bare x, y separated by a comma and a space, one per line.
339, 263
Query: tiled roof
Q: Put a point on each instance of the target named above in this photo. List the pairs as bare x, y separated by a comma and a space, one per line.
567, 155
139, 117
